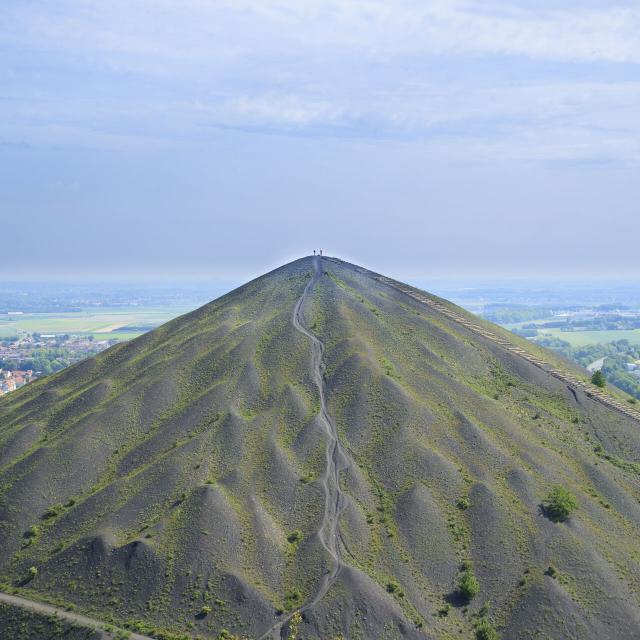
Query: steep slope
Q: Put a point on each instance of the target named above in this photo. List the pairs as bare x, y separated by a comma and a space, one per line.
323, 440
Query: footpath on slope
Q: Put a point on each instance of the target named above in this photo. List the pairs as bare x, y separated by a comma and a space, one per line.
337, 461
570, 380
68, 616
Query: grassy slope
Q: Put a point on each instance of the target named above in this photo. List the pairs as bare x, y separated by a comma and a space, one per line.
167, 447
432, 415
186, 458
19, 624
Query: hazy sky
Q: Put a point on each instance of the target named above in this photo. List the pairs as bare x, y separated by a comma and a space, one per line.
422, 138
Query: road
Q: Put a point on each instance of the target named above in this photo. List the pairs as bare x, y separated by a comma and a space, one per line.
337, 460
69, 616
596, 365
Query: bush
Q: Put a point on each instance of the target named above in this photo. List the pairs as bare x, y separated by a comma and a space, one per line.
33, 572
52, 512
294, 537
485, 630
598, 379
292, 599
205, 610
559, 504
393, 586
463, 503
468, 585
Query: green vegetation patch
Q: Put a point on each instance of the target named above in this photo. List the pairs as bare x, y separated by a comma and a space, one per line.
468, 585
20, 624
485, 630
559, 504
626, 465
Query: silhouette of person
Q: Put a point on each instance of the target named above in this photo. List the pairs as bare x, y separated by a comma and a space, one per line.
314, 252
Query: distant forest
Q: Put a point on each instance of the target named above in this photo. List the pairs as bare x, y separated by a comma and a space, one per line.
45, 361
617, 354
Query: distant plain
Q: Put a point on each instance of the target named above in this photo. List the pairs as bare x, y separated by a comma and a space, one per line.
105, 323
582, 338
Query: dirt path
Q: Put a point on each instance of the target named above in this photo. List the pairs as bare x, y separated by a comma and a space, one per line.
570, 380
337, 461
69, 616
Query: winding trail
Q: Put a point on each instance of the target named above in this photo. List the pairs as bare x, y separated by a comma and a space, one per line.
337, 461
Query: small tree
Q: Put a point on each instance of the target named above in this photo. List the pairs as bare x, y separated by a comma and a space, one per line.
599, 379
468, 585
559, 504
485, 630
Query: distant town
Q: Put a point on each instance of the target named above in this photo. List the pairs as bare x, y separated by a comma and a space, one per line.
29, 356
12, 380
45, 327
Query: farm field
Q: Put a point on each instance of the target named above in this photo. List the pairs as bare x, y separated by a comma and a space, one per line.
518, 325
582, 338
104, 323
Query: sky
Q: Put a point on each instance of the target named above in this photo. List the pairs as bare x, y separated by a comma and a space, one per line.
219, 139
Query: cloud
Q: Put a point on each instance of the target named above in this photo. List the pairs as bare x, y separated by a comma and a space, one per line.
198, 28
491, 77
283, 110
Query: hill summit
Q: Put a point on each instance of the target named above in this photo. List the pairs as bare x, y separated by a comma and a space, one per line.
327, 441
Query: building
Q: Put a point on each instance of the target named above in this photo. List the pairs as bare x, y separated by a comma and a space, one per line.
8, 384
12, 380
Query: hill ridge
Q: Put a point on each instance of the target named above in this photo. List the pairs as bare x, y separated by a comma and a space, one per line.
571, 380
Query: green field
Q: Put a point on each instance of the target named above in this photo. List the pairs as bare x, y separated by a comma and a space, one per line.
113, 323
103, 324
581, 338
